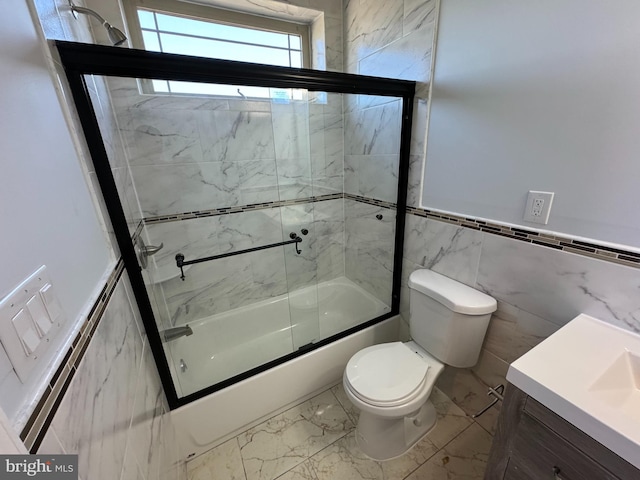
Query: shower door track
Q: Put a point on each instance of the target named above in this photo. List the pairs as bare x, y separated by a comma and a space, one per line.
80, 59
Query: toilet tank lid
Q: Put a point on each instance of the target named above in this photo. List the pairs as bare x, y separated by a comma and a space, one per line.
454, 295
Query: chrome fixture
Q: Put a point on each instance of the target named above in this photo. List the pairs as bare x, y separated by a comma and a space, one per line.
498, 395
183, 365
175, 332
115, 35
143, 252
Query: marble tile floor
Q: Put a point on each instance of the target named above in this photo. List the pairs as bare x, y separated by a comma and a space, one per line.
316, 441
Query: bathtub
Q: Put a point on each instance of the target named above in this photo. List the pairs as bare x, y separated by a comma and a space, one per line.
235, 341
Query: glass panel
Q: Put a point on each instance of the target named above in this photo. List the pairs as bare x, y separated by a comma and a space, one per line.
188, 26
146, 19
223, 50
295, 42
296, 59
290, 118
151, 41
209, 176
355, 148
160, 86
218, 89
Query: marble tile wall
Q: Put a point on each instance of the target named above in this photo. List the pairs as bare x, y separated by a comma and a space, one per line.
369, 247
197, 153
113, 413
539, 289
390, 39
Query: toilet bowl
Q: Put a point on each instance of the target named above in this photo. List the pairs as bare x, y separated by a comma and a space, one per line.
391, 383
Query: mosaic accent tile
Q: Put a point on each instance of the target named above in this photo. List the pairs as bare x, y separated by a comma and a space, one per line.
238, 209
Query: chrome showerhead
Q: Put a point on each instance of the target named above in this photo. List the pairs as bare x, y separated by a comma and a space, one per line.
115, 35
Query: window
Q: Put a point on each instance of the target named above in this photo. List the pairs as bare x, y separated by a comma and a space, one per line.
189, 29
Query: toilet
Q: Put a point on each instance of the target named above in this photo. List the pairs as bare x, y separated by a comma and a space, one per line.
390, 383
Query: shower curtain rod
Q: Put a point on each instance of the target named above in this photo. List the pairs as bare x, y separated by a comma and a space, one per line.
181, 262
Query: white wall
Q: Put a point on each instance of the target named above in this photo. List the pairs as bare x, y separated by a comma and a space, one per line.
538, 96
46, 213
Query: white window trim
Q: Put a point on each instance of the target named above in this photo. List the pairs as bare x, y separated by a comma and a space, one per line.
205, 12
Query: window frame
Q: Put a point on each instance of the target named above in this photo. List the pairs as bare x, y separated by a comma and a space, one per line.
215, 14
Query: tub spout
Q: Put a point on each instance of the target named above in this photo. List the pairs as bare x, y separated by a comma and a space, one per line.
176, 332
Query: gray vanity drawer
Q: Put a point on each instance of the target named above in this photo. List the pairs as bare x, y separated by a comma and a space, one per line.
539, 454
534, 443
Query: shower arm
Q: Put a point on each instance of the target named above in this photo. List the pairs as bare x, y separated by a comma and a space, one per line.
88, 11
115, 34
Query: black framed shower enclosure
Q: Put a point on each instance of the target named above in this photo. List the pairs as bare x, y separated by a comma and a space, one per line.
87, 59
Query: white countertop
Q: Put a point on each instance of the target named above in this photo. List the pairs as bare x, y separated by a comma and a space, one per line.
588, 372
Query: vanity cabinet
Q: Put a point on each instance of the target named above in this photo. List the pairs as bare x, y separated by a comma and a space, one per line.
533, 443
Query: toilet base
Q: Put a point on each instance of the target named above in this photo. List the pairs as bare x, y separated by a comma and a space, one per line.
386, 438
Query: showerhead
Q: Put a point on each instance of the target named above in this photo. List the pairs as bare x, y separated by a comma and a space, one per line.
115, 35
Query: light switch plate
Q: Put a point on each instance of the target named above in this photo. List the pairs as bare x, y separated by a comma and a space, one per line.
28, 338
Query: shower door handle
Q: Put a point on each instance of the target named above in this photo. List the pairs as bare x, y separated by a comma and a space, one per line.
143, 252
149, 250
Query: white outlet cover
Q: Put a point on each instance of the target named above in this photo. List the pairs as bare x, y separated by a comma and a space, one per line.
531, 214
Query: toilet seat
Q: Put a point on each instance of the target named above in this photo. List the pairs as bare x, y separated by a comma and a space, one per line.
387, 375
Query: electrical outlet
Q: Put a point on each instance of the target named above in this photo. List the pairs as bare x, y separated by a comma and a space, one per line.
538, 207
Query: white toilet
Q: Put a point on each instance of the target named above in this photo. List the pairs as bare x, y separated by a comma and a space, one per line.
390, 383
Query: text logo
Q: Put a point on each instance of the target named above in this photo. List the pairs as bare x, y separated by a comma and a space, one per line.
49, 467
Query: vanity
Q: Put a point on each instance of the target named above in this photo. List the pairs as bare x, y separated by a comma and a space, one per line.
571, 410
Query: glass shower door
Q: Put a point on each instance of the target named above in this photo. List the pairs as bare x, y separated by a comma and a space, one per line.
264, 223
203, 174
295, 191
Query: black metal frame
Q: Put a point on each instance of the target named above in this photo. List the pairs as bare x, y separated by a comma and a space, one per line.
86, 59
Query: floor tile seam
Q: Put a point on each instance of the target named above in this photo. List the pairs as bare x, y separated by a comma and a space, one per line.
351, 419
317, 453
454, 438
483, 427
244, 469
438, 451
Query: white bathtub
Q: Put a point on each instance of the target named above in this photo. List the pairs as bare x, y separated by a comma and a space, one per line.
235, 341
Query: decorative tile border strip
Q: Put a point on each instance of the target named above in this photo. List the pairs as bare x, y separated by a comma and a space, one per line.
370, 201
36, 427
558, 242
241, 208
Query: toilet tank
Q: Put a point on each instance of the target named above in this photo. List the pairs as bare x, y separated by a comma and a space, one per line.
447, 318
